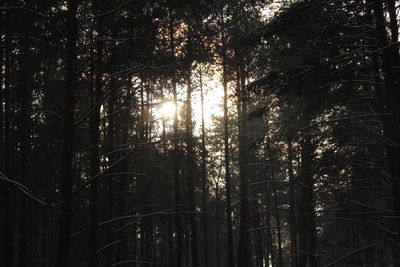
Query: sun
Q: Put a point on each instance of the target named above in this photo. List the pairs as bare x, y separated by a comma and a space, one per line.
167, 110
213, 99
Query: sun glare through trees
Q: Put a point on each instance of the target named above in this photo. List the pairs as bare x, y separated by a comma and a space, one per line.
199, 133
167, 110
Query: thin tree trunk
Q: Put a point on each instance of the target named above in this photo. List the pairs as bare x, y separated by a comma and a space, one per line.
244, 254
292, 202
3, 185
24, 149
217, 228
141, 185
169, 261
229, 228
307, 234
277, 218
191, 178
7, 190
204, 172
95, 152
124, 182
186, 241
64, 229
390, 60
258, 240
395, 96
110, 182
179, 247
270, 241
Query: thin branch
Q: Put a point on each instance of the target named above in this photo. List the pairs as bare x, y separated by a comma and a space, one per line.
353, 252
147, 215
133, 261
24, 189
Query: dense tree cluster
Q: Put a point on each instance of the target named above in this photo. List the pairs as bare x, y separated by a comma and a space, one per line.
301, 166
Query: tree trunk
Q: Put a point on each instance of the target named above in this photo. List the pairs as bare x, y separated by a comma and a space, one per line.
390, 61
191, 178
229, 228
95, 151
204, 172
8, 231
292, 202
64, 229
307, 231
270, 241
217, 228
277, 217
110, 176
179, 247
244, 253
24, 148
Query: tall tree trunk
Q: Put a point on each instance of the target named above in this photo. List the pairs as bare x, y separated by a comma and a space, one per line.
204, 171
244, 253
124, 234
6, 189
394, 94
110, 181
270, 240
169, 253
277, 217
217, 222
390, 61
229, 228
64, 229
307, 231
179, 247
3, 185
191, 179
95, 151
292, 204
24, 148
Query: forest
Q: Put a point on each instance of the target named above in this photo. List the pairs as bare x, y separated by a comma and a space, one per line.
199, 133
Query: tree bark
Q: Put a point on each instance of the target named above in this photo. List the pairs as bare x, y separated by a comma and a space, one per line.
191, 179
390, 61
277, 217
179, 247
24, 148
244, 253
217, 222
64, 229
204, 172
229, 228
8, 231
110, 184
95, 152
292, 202
307, 231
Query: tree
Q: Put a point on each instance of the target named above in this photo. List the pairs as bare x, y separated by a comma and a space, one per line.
68, 136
